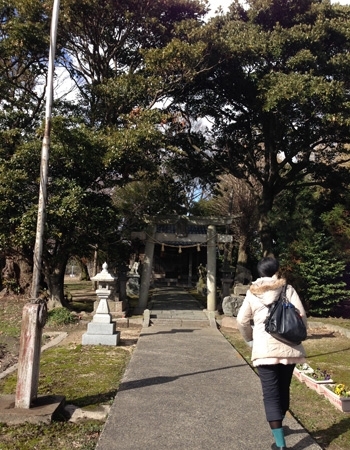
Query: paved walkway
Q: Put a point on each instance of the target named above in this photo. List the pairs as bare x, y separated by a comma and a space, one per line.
186, 388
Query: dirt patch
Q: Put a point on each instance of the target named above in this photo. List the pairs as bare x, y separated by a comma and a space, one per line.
9, 348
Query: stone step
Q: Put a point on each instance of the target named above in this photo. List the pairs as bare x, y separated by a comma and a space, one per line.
189, 323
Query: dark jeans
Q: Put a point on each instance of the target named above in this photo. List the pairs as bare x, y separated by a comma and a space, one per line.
275, 381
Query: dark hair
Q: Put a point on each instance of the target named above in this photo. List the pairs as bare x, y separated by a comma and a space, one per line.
267, 267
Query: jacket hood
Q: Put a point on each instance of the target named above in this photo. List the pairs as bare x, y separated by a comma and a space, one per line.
267, 289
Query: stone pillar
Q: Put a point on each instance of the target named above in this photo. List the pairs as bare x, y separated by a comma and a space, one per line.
190, 265
146, 269
122, 282
211, 268
225, 286
33, 320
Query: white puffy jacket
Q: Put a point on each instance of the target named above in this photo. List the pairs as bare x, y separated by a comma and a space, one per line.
260, 295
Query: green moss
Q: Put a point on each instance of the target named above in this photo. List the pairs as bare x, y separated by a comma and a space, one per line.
56, 435
11, 317
75, 373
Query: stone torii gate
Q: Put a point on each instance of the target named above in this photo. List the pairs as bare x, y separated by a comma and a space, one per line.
182, 222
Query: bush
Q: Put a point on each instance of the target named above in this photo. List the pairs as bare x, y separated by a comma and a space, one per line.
322, 272
60, 316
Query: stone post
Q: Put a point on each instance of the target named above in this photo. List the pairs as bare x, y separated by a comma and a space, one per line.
122, 282
146, 269
190, 265
226, 280
211, 268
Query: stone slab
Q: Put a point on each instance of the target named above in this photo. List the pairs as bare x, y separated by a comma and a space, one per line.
241, 289
41, 411
101, 328
229, 322
101, 339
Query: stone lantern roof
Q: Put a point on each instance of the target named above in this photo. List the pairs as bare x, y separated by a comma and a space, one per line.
104, 278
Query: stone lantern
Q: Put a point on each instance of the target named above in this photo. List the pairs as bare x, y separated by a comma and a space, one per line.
102, 329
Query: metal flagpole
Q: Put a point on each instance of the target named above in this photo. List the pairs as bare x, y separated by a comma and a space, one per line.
38, 249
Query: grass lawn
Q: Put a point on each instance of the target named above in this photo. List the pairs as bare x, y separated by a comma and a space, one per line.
69, 371
87, 376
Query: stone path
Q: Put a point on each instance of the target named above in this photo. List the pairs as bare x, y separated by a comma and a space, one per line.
186, 388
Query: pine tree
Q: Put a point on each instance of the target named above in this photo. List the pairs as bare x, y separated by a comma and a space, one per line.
322, 272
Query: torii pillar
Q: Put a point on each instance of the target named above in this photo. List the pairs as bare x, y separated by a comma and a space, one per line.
146, 269
211, 268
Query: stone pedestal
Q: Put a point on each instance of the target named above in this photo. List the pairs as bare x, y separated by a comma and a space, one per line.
226, 283
102, 329
117, 309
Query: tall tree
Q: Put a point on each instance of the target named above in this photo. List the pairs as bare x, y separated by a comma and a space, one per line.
274, 86
110, 136
24, 35
233, 197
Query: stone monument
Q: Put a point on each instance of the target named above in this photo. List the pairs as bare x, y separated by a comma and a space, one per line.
133, 283
102, 329
232, 303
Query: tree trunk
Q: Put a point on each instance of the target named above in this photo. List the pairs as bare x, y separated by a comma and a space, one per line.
242, 257
17, 274
25, 275
54, 277
265, 232
10, 276
84, 271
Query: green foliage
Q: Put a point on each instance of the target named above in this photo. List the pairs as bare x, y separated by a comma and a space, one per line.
60, 316
322, 272
272, 80
24, 45
338, 224
11, 286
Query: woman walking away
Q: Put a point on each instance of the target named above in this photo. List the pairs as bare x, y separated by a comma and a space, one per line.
275, 360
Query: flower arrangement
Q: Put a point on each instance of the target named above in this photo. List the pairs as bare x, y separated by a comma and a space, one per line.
316, 374
341, 390
338, 395
320, 375
304, 368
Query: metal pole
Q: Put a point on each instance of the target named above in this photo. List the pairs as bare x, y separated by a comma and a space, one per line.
38, 249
